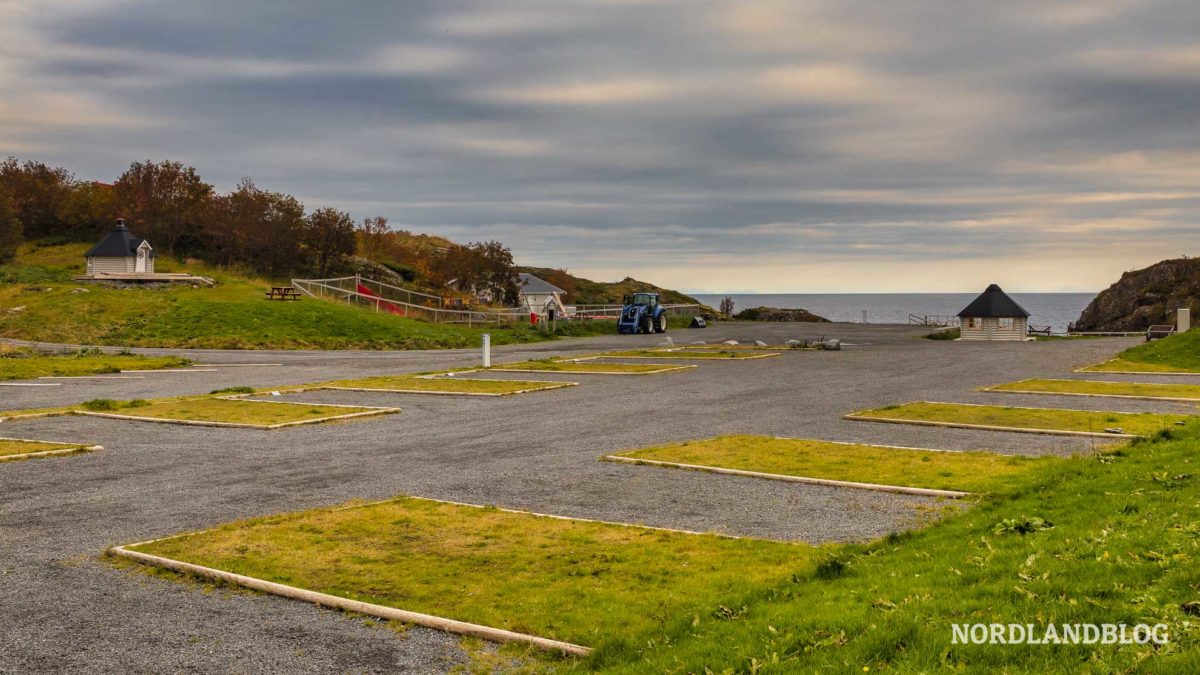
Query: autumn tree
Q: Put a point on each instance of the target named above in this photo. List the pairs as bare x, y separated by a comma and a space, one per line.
329, 237
564, 281
37, 194
726, 307
10, 228
89, 210
372, 237
165, 202
483, 268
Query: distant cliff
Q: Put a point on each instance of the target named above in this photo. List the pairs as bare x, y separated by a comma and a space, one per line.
1145, 297
778, 314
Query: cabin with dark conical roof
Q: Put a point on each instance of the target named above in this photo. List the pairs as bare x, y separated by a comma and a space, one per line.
994, 316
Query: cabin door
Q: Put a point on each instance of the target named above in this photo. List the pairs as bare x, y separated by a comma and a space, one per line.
140, 265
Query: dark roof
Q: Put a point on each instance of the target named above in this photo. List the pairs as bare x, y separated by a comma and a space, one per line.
532, 284
993, 303
120, 243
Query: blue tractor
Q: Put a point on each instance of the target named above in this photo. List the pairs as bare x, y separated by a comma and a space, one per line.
642, 314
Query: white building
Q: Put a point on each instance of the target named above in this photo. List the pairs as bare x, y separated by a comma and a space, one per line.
539, 296
994, 316
120, 252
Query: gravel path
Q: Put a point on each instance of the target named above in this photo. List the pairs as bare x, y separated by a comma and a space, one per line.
63, 610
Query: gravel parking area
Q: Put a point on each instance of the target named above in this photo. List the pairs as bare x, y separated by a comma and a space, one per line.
63, 610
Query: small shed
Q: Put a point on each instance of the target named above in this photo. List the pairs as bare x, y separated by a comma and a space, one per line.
994, 316
539, 295
120, 252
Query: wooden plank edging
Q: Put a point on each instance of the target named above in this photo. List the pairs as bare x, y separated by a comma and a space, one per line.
78, 447
830, 482
985, 427
324, 599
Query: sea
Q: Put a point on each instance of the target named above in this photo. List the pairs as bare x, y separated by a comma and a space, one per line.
1046, 309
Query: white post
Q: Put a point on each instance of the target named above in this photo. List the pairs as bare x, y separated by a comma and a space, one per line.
487, 350
1183, 320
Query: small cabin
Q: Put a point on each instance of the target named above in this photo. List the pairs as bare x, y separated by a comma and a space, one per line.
539, 296
120, 252
994, 316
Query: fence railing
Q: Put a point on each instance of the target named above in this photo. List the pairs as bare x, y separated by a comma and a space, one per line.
383, 297
933, 320
613, 311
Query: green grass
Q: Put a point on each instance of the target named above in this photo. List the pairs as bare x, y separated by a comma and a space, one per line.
460, 385
9, 447
967, 471
1142, 424
607, 586
1107, 540
1178, 353
238, 411
691, 354
1184, 392
25, 364
597, 368
233, 315
945, 334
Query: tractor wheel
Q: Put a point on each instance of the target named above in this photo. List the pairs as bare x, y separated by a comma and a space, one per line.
661, 324
644, 325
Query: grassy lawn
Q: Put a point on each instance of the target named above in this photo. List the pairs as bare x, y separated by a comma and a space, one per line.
1178, 353
447, 385
1177, 392
584, 367
1142, 424
611, 587
233, 315
10, 447
24, 364
690, 354
968, 471
237, 411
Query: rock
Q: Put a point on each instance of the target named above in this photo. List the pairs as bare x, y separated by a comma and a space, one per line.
759, 343
731, 343
667, 342
83, 290
832, 345
699, 342
794, 344
16, 310
1144, 297
778, 314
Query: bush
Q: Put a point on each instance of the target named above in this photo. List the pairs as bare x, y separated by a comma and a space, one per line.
101, 404
233, 390
945, 334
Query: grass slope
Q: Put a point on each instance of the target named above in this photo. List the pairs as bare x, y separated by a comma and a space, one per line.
23, 364
233, 315
594, 584
1055, 419
1108, 540
969, 471
1177, 353
1178, 392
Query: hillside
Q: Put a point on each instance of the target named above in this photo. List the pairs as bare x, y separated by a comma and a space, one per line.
588, 292
39, 301
1144, 297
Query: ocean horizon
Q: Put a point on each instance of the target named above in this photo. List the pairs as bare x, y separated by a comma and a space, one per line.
1046, 309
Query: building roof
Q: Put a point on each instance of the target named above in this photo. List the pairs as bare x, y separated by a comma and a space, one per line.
120, 243
531, 284
993, 302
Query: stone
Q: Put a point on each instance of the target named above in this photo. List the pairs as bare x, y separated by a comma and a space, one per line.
730, 342
759, 343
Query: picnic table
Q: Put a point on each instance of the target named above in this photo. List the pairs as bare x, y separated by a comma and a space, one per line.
1038, 330
283, 293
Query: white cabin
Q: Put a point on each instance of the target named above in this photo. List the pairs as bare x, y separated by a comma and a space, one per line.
539, 296
120, 252
994, 316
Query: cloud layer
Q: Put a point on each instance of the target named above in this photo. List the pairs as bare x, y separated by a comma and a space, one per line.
780, 146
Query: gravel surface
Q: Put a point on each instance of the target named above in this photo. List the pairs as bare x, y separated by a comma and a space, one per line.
63, 610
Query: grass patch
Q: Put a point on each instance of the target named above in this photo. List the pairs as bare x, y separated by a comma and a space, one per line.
223, 411
967, 471
446, 385
583, 367
10, 447
1179, 353
678, 353
1176, 392
945, 334
600, 585
26, 364
1141, 424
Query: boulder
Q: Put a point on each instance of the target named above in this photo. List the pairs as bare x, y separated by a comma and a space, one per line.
778, 314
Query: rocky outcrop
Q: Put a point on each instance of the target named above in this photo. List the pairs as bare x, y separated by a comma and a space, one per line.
778, 314
1144, 297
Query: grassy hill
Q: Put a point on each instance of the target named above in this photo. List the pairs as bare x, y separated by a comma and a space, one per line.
39, 301
588, 292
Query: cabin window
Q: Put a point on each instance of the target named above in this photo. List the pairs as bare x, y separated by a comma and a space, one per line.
974, 322
1006, 322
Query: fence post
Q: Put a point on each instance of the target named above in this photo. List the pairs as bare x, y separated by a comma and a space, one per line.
487, 350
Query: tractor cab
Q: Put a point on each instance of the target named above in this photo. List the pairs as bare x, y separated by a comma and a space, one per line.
641, 313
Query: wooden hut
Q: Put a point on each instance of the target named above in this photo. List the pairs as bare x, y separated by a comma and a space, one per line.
994, 316
120, 252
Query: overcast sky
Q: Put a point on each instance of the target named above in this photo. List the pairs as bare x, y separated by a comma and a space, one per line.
724, 146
